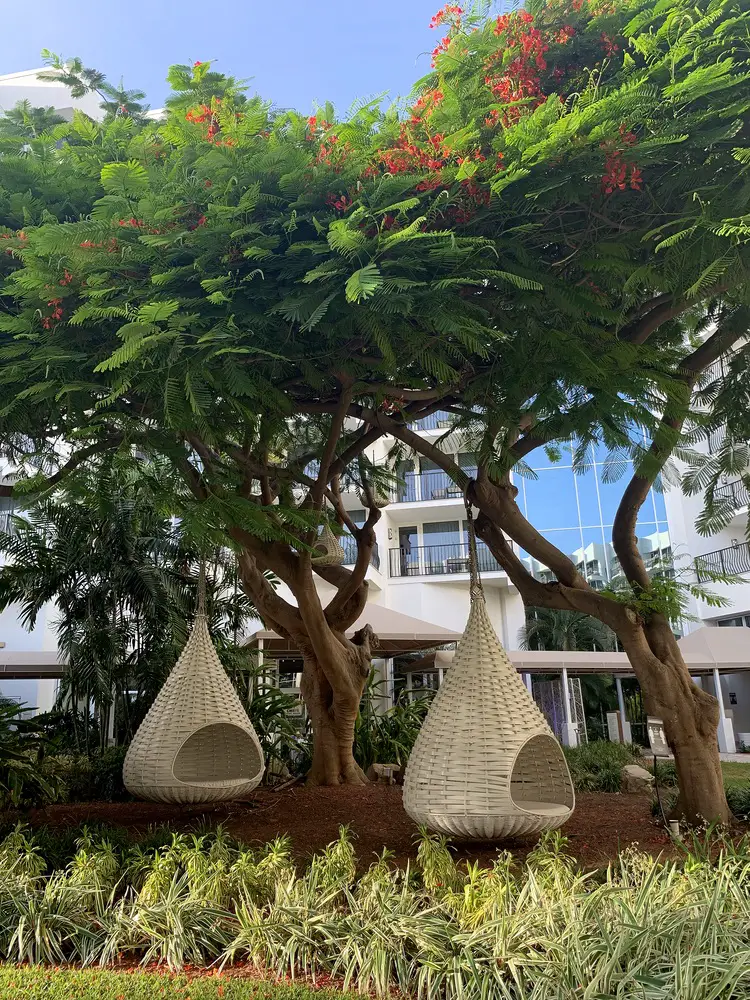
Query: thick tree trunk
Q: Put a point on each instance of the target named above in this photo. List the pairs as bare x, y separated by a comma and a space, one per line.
690, 715
333, 717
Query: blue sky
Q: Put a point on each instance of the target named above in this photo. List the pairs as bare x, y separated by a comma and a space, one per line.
295, 51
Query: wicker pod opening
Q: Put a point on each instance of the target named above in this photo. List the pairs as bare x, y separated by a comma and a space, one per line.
539, 780
196, 743
219, 752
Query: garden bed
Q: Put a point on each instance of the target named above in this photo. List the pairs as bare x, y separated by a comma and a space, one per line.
601, 824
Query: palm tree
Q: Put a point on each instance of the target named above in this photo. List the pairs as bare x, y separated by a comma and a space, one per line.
26, 122
549, 628
124, 580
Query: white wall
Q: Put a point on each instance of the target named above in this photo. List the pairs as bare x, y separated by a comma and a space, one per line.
25, 86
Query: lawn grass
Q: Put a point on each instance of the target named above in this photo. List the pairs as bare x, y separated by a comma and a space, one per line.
736, 773
41, 982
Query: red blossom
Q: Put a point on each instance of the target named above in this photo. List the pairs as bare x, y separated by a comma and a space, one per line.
609, 45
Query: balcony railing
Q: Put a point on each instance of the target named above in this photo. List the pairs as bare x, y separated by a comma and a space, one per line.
734, 560
437, 485
349, 545
439, 560
439, 420
736, 491
6, 522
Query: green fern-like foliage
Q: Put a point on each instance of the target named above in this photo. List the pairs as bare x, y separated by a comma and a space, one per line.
212, 280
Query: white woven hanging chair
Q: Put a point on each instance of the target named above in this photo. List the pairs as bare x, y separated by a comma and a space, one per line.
196, 743
328, 549
486, 765
379, 499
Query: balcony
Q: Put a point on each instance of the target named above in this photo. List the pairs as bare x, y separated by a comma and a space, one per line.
6, 522
438, 421
733, 561
736, 492
349, 545
420, 486
439, 560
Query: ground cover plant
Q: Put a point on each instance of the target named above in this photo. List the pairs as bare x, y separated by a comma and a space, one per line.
644, 927
86, 984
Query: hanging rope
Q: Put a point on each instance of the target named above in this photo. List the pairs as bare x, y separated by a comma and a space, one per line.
201, 607
476, 592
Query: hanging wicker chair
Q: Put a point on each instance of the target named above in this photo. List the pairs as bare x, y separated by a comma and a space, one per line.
328, 549
485, 764
196, 743
379, 499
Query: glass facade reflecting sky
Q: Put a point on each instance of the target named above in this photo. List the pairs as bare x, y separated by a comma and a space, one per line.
576, 511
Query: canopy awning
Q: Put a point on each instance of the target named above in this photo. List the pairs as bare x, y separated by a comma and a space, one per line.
398, 633
23, 664
706, 649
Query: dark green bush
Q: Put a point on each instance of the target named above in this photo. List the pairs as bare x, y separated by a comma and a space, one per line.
738, 797
597, 766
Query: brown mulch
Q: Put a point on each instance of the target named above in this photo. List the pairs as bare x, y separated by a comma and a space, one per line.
601, 825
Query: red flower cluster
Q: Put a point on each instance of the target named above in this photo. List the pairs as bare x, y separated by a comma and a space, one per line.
339, 202
132, 223
66, 278
57, 314
333, 153
407, 156
450, 15
519, 81
199, 115
426, 105
619, 173
110, 247
609, 45
563, 36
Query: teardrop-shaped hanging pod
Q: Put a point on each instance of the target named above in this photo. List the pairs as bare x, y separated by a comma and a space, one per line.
328, 549
379, 499
196, 743
486, 764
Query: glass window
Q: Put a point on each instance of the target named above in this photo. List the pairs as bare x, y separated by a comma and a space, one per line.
588, 498
359, 516
658, 501
610, 494
440, 533
551, 499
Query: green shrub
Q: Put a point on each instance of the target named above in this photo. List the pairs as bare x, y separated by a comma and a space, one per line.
738, 797
597, 766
